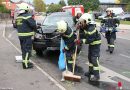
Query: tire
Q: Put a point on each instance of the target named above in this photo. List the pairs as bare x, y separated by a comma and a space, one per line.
39, 52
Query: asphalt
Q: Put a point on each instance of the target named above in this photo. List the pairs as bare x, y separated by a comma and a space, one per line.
13, 77
118, 62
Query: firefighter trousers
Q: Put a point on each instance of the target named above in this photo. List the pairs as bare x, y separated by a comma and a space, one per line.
69, 58
26, 47
93, 57
111, 37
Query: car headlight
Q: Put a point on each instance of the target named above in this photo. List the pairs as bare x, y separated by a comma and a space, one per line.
38, 36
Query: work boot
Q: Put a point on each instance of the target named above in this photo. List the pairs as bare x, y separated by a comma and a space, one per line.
30, 65
111, 50
94, 78
87, 74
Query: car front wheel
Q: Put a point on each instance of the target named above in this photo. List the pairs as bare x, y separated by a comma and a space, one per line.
39, 52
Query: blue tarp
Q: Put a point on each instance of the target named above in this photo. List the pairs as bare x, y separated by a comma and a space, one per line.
62, 61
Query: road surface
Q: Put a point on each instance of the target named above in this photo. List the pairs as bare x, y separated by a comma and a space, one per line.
46, 75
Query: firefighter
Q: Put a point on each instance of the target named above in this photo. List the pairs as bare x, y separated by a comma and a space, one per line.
25, 26
110, 22
93, 38
69, 37
76, 18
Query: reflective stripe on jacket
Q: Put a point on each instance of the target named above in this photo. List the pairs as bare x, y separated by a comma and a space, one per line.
92, 36
25, 25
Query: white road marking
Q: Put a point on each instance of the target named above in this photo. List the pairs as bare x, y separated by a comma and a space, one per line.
40, 69
108, 74
10, 35
124, 55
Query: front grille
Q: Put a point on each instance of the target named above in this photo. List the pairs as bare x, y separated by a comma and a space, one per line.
49, 36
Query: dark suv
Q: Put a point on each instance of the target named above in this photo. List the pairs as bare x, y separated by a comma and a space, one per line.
46, 37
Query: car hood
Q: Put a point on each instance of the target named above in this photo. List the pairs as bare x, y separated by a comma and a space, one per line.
48, 29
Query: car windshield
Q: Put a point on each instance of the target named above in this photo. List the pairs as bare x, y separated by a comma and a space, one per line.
53, 19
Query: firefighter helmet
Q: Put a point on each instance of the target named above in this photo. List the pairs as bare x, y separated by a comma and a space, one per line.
108, 10
61, 26
23, 6
87, 17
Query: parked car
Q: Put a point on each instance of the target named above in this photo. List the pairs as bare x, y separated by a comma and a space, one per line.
102, 16
116, 10
46, 37
125, 16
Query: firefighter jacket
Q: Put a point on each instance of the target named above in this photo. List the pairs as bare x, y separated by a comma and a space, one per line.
25, 25
91, 35
76, 19
69, 38
110, 22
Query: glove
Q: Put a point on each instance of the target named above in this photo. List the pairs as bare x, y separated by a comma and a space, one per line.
78, 42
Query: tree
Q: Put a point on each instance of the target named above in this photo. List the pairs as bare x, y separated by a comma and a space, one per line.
54, 8
1, 1
125, 1
39, 5
88, 4
3, 9
73, 2
117, 1
128, 7
62, 3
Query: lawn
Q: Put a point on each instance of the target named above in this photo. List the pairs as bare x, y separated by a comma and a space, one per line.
121, 22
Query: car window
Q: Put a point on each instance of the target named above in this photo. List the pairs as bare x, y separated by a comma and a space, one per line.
52, 20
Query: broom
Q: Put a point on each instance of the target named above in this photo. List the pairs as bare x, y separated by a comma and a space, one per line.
71, 76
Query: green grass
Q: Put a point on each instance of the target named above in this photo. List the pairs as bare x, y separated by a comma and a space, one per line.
121, 22
125, 22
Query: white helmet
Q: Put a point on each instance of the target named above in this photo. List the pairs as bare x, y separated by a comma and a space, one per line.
23, 7
61, 26
108, 9
88, 17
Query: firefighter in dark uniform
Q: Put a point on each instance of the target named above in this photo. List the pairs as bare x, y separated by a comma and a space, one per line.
25, 26
76, 18
69, 38
110, 22
93, 38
